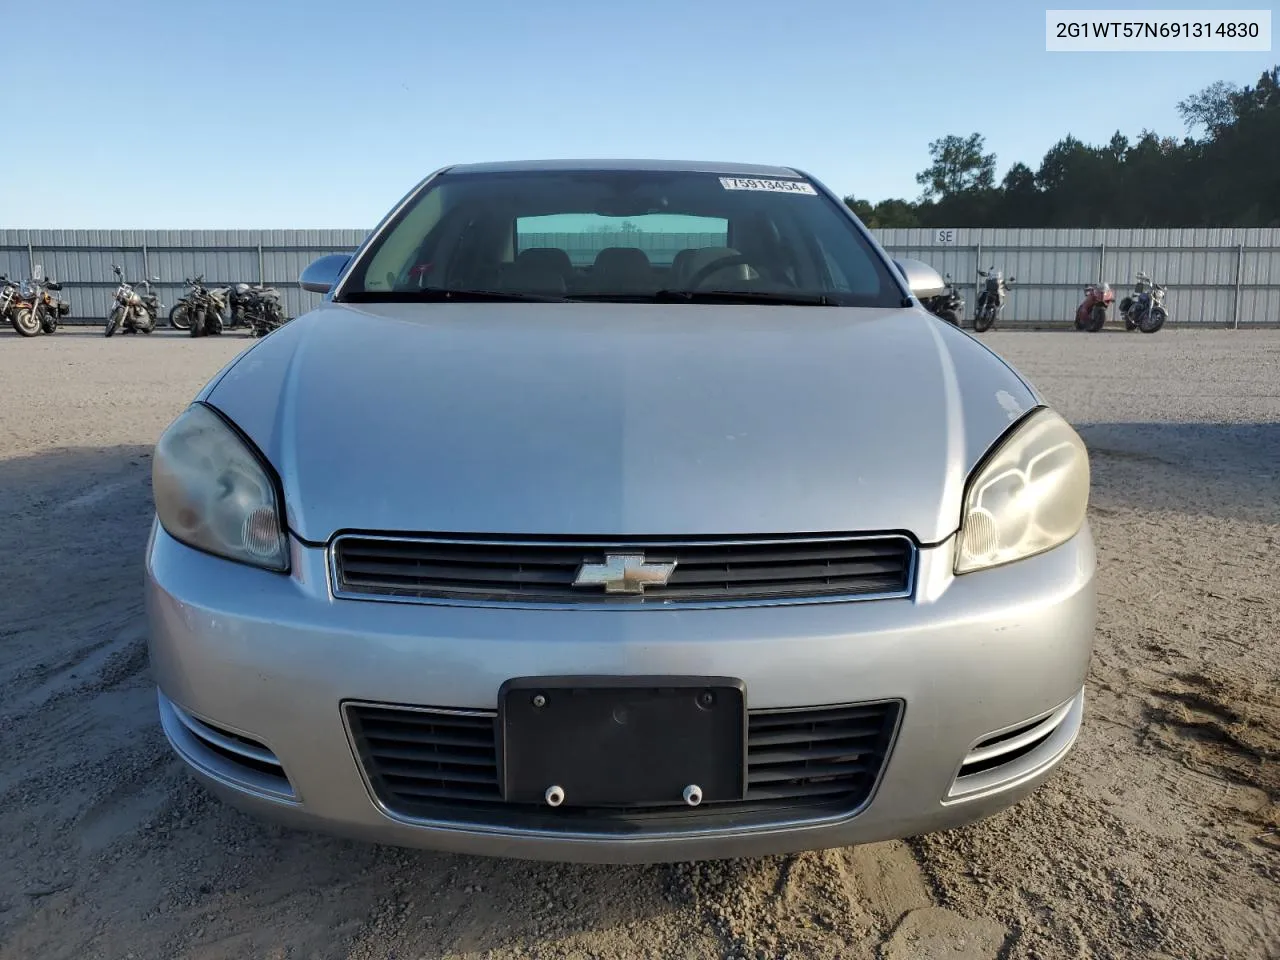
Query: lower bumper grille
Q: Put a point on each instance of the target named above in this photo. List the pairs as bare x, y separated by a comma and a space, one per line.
802, 764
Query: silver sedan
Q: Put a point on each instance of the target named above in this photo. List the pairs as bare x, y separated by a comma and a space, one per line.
621, 512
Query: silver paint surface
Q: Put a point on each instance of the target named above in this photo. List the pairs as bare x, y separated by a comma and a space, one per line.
617, 419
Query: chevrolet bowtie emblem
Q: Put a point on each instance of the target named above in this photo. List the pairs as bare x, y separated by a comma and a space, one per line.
624, 573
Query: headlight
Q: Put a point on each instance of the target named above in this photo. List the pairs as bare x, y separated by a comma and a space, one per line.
1029, 496
213, 493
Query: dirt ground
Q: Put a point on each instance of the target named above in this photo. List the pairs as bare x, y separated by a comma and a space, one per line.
1157, 838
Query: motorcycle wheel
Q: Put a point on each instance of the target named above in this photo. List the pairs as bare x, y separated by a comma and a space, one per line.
113, 321
196, 329
984, 321
950, 316
179, 318
1154, 320
1128, 323
49, 325
1097, 319
25, 322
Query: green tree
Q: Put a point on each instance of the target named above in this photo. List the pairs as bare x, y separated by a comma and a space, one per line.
863, 210
896, 213
958, 164
1227, 175
1213, 109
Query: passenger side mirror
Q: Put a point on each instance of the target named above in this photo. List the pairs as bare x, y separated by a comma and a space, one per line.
322, 275
922, 279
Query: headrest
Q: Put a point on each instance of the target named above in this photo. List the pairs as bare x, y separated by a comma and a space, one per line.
622, 260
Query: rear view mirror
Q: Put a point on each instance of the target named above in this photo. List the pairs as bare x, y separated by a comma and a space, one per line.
322, 275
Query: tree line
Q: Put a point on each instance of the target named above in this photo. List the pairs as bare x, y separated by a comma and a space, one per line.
1225, 172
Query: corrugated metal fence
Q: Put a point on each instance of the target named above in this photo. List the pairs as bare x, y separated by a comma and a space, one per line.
1223, 277
81, 261
1216, 277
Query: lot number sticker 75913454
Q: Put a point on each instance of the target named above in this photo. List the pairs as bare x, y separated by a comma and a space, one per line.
771, 186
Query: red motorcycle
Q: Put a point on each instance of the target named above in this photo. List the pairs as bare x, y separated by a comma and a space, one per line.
1091, 315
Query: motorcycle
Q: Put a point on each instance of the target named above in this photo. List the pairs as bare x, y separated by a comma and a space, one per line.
259, 307
133, 311
1145, 310
202, 303
1091, 315
32, 309
9, 300
991, 300
947, 306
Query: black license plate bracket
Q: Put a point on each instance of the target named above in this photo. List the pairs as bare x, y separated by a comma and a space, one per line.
622, 741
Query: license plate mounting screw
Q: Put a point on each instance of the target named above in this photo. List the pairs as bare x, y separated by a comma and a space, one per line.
539, 700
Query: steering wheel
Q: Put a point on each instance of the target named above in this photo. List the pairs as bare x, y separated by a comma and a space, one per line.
732, 260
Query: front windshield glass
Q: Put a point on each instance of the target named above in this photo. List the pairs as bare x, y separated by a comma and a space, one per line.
628, 236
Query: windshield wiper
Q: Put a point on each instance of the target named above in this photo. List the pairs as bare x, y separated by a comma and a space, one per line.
445, 295
745, 296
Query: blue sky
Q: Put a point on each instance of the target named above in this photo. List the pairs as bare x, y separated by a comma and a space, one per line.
322, 114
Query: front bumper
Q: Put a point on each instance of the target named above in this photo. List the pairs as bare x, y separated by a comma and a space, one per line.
272, 658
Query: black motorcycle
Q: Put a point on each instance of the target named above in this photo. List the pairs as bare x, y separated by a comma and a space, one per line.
258, 307
1145, 310
948, 306
995, 290
10, 300
201, 309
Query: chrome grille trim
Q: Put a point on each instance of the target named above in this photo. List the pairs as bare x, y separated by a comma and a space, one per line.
1005, 758
224, 756
647, 545
239, 746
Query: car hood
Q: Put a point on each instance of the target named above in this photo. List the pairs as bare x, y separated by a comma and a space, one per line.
620, 419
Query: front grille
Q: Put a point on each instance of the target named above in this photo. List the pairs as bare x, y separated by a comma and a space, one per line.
429, 764
544, 570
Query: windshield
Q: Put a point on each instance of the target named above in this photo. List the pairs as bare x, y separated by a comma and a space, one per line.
630, 236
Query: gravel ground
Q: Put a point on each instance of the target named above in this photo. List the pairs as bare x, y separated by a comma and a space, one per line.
1158, 838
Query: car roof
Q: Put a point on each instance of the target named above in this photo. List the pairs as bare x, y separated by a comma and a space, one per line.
681, 166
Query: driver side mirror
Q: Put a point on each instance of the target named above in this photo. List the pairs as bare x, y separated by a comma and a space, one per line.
323, 274
922, 279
